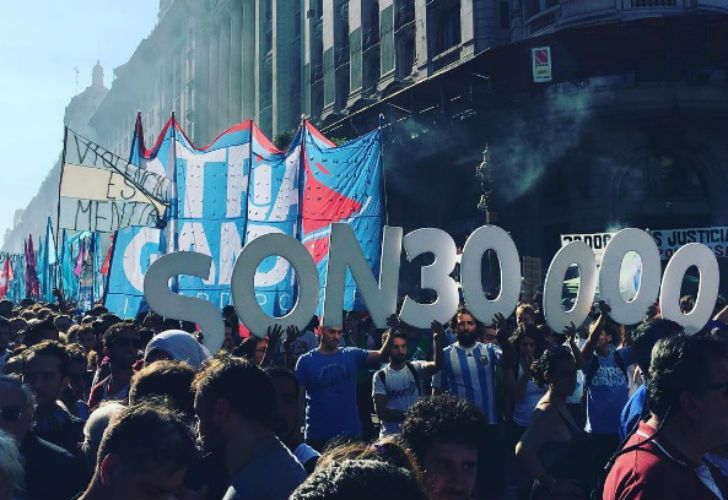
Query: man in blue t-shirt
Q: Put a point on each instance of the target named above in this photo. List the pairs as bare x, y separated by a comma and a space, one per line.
606, 387
328, 375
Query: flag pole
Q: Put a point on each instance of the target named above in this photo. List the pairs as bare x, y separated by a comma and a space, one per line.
383, 184
58, 211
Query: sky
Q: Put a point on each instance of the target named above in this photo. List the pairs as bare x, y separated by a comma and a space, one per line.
42, 41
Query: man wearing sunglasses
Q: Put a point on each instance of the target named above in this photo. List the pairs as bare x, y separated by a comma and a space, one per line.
45, 371
688, 393
121, 345
50, 471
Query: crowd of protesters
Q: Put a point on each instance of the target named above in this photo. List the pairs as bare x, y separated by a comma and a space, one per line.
96, 407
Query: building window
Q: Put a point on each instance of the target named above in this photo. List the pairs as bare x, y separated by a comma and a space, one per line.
446, 16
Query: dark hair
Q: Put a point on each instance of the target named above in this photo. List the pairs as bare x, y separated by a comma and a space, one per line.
282, 372
116, 330
170, 324
165, 379
646, 336
247, 388
680, 364
98, 310
35, 332
76, 354
246, 349
360, 479
148, 435
548, 362
50, 348
532, 332
687, 302
6, 307
4, 322
442, 418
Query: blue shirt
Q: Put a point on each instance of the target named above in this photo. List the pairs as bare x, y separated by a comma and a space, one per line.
632, 411
469, 373
330, 382
271, 474
606, 395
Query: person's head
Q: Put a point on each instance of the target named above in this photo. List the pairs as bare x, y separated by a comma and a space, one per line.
11, 467
5, 333
646, 336
525, 314
689, 381
62, 322
467, 327
287, 390
122, 344
232, 396
252, 348
331, 337
164, 379
40, 330
170, 324
687, 302
6, 308
398, 352
488, 334
87, 337
388, 449
446, 436
98, 310
78, 378
231, 338
360, 479
153, 321
93, 429
17, 325
16, 407
45, 370
176, 345
528, 342
144, 453
556, 369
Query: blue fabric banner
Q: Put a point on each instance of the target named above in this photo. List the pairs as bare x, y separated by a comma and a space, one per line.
342, 184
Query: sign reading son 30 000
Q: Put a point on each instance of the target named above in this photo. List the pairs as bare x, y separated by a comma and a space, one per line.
381, 297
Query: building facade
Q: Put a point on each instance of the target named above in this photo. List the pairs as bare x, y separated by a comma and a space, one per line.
627, 129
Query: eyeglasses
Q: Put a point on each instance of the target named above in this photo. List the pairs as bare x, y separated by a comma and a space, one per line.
12, 413
718, 387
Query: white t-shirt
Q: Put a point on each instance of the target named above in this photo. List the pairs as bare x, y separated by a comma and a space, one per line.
400, 388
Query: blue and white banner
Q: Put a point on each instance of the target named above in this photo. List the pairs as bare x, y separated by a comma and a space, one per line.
273, 208
342, 184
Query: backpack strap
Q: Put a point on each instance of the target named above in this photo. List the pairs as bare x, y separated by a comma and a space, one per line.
591, 372
413, 371
383, 378
620, 363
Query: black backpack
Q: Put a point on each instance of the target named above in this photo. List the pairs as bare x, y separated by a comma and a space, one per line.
413, 371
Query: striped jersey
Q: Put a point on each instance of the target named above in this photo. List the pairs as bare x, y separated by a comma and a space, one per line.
469, 373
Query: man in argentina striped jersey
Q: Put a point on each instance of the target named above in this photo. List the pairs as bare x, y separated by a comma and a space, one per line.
475, 372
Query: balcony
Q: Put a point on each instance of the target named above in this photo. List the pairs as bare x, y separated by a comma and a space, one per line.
638, 4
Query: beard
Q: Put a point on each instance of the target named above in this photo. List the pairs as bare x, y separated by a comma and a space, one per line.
397, 359
467, 338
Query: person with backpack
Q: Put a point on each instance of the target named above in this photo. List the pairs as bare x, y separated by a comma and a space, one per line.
606, 388
397, 386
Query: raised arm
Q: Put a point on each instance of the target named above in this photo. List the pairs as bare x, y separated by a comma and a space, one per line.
374, 357
595, 329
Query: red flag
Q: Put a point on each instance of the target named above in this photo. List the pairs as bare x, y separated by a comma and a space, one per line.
107, 260
6, 276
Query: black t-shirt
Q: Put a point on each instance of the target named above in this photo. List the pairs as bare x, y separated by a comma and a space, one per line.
51, 471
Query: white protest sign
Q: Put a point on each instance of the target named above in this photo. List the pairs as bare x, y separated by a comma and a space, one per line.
167, 303
482, 239
243, 282
630, 240
578, 253
436, 276
692, 254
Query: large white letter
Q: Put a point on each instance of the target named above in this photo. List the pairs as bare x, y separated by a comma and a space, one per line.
168, 304
630, 240
496, 239
576, 252
702, 257
435, 277
345, 253
243, 283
